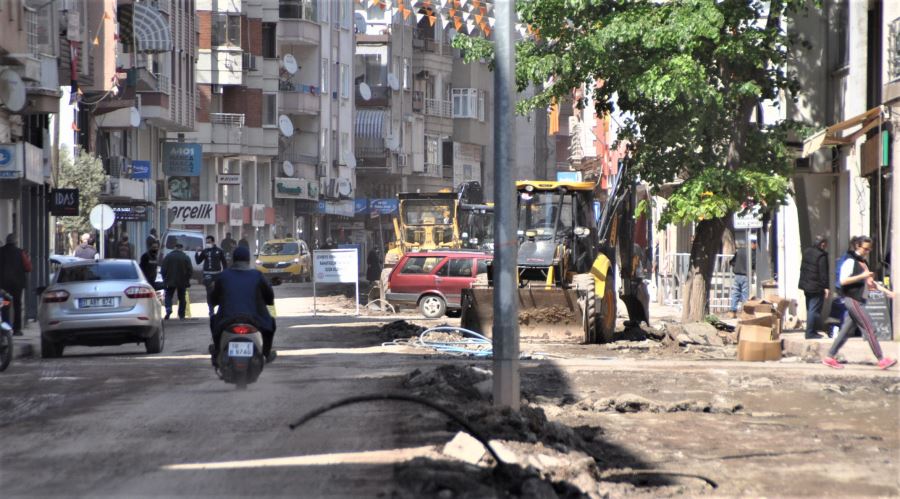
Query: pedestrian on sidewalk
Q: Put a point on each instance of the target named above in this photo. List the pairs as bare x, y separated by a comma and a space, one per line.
856, 279
740, 287
176, 270
213, 260
152, 238
124, 249
814, 282
14, 264
149, 264
85, 250
228, 245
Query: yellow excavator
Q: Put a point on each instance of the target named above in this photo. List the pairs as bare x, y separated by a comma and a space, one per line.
567, 258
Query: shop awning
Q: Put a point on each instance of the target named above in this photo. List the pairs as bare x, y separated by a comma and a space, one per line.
144, 27
833, 135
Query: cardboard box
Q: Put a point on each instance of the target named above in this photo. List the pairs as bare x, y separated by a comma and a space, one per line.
758, 351
756, 307
756, 333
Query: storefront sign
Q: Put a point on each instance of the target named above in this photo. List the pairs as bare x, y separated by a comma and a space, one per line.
880, 313
296, 188
22, 160
360, 206
228, 179
385, 206
191, 213
182, 159
64, 202
130, 213
235, 214
139, 170
258, 218
342, 208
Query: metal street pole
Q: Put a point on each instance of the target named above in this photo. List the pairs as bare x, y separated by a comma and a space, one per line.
895, 232
506, 306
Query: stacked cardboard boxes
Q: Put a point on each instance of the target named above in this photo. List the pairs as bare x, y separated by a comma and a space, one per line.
759, 329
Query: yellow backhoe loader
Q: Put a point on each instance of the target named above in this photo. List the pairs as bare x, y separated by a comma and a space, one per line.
567, 259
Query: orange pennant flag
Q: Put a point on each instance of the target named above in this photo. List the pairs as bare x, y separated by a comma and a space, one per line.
478, 18
457, 23
487, 30
406, 12
431, 20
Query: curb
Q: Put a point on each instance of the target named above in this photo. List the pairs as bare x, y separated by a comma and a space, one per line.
855, 351
23, 348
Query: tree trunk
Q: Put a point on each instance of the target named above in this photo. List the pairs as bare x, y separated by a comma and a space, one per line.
706, 245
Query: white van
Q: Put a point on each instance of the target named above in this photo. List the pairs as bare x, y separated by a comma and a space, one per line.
192, 240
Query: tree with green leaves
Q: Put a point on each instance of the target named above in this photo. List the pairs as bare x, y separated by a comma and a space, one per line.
689, 77
86, 174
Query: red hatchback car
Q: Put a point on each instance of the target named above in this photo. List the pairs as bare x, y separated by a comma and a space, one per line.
433, 280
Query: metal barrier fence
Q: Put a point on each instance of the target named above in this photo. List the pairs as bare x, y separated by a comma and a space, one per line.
674, 272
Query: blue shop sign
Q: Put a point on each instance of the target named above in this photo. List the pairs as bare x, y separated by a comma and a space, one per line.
568, 176
386, 206
361, 206
140, 170
181, 159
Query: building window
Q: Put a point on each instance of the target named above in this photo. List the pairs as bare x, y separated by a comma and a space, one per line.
432, 151
345, 147
465, 102
346, 14
345, 81
407, 74
268, 40
226, 30
270, 109
326, 68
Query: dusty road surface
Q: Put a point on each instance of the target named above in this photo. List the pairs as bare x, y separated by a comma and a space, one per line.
627, 419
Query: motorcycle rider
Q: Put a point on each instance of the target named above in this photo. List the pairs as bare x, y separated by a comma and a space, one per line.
213, 260
241, 291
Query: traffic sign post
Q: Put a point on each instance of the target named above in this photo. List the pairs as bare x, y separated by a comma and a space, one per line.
102, 218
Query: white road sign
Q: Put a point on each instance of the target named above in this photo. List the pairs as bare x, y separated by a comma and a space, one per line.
335, 266
749, 219
102, 216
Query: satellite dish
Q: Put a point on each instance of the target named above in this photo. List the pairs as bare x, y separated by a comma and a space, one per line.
289, 63
285, 125
364, 91
392, 143
393, 82
288, 168
12, 90
359, 22
135, 118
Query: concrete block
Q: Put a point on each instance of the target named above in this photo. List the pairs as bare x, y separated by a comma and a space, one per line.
464, 447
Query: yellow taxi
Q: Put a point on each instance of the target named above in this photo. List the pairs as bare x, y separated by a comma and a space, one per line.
285, 259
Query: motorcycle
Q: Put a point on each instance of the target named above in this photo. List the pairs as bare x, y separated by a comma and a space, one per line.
240, 357
6, 332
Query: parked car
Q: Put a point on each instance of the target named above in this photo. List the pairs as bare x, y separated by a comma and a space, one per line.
433, 280
285, 259
56, 261
192, 240
106, 302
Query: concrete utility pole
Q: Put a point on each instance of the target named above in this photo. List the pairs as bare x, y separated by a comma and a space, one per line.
506, 305
895, 232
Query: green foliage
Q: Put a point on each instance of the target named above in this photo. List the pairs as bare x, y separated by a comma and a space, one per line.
686, 74
86, 174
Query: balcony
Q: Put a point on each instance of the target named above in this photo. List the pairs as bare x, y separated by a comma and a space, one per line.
381, 97
297, 23
299, 99
439, 108
229, 120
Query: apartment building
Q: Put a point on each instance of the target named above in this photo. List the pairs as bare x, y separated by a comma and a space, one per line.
274, 116
425, 118
29, 99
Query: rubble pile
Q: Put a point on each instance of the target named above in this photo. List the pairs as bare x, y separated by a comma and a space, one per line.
628, 402
399, 330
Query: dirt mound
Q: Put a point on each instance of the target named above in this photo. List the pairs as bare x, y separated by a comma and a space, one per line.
628, 402
547, 315
449, 383
399, 329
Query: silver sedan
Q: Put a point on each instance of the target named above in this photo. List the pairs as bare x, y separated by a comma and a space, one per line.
106, 302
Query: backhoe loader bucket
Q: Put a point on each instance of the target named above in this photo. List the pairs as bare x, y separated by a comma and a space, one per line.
553, 314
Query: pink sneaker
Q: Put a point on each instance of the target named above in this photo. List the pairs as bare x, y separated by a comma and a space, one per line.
832, 363
886, 363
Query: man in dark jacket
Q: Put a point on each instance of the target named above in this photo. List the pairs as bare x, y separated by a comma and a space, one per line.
814, 282
124, 249
149, 263
213, 260
12, 278
176, 270
228, 245
243, 291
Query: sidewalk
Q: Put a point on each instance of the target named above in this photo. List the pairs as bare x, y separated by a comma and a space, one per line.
855, 351
30, 344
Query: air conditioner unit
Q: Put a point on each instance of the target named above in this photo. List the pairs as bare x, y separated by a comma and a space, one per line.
402, 160
333, 190
218, 89
322, 170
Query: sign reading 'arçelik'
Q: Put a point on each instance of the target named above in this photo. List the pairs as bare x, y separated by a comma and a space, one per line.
192, 213
181, 159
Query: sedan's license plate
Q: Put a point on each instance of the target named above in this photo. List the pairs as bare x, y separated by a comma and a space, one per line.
240, 349
106, 301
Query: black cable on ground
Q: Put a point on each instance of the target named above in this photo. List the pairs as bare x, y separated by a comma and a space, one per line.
403, 398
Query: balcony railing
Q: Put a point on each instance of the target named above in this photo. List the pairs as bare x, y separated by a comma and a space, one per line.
297, 9
289, 86
299, 158
232, 120
437, 107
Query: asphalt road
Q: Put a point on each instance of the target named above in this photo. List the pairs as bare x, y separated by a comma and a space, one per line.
114, 421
